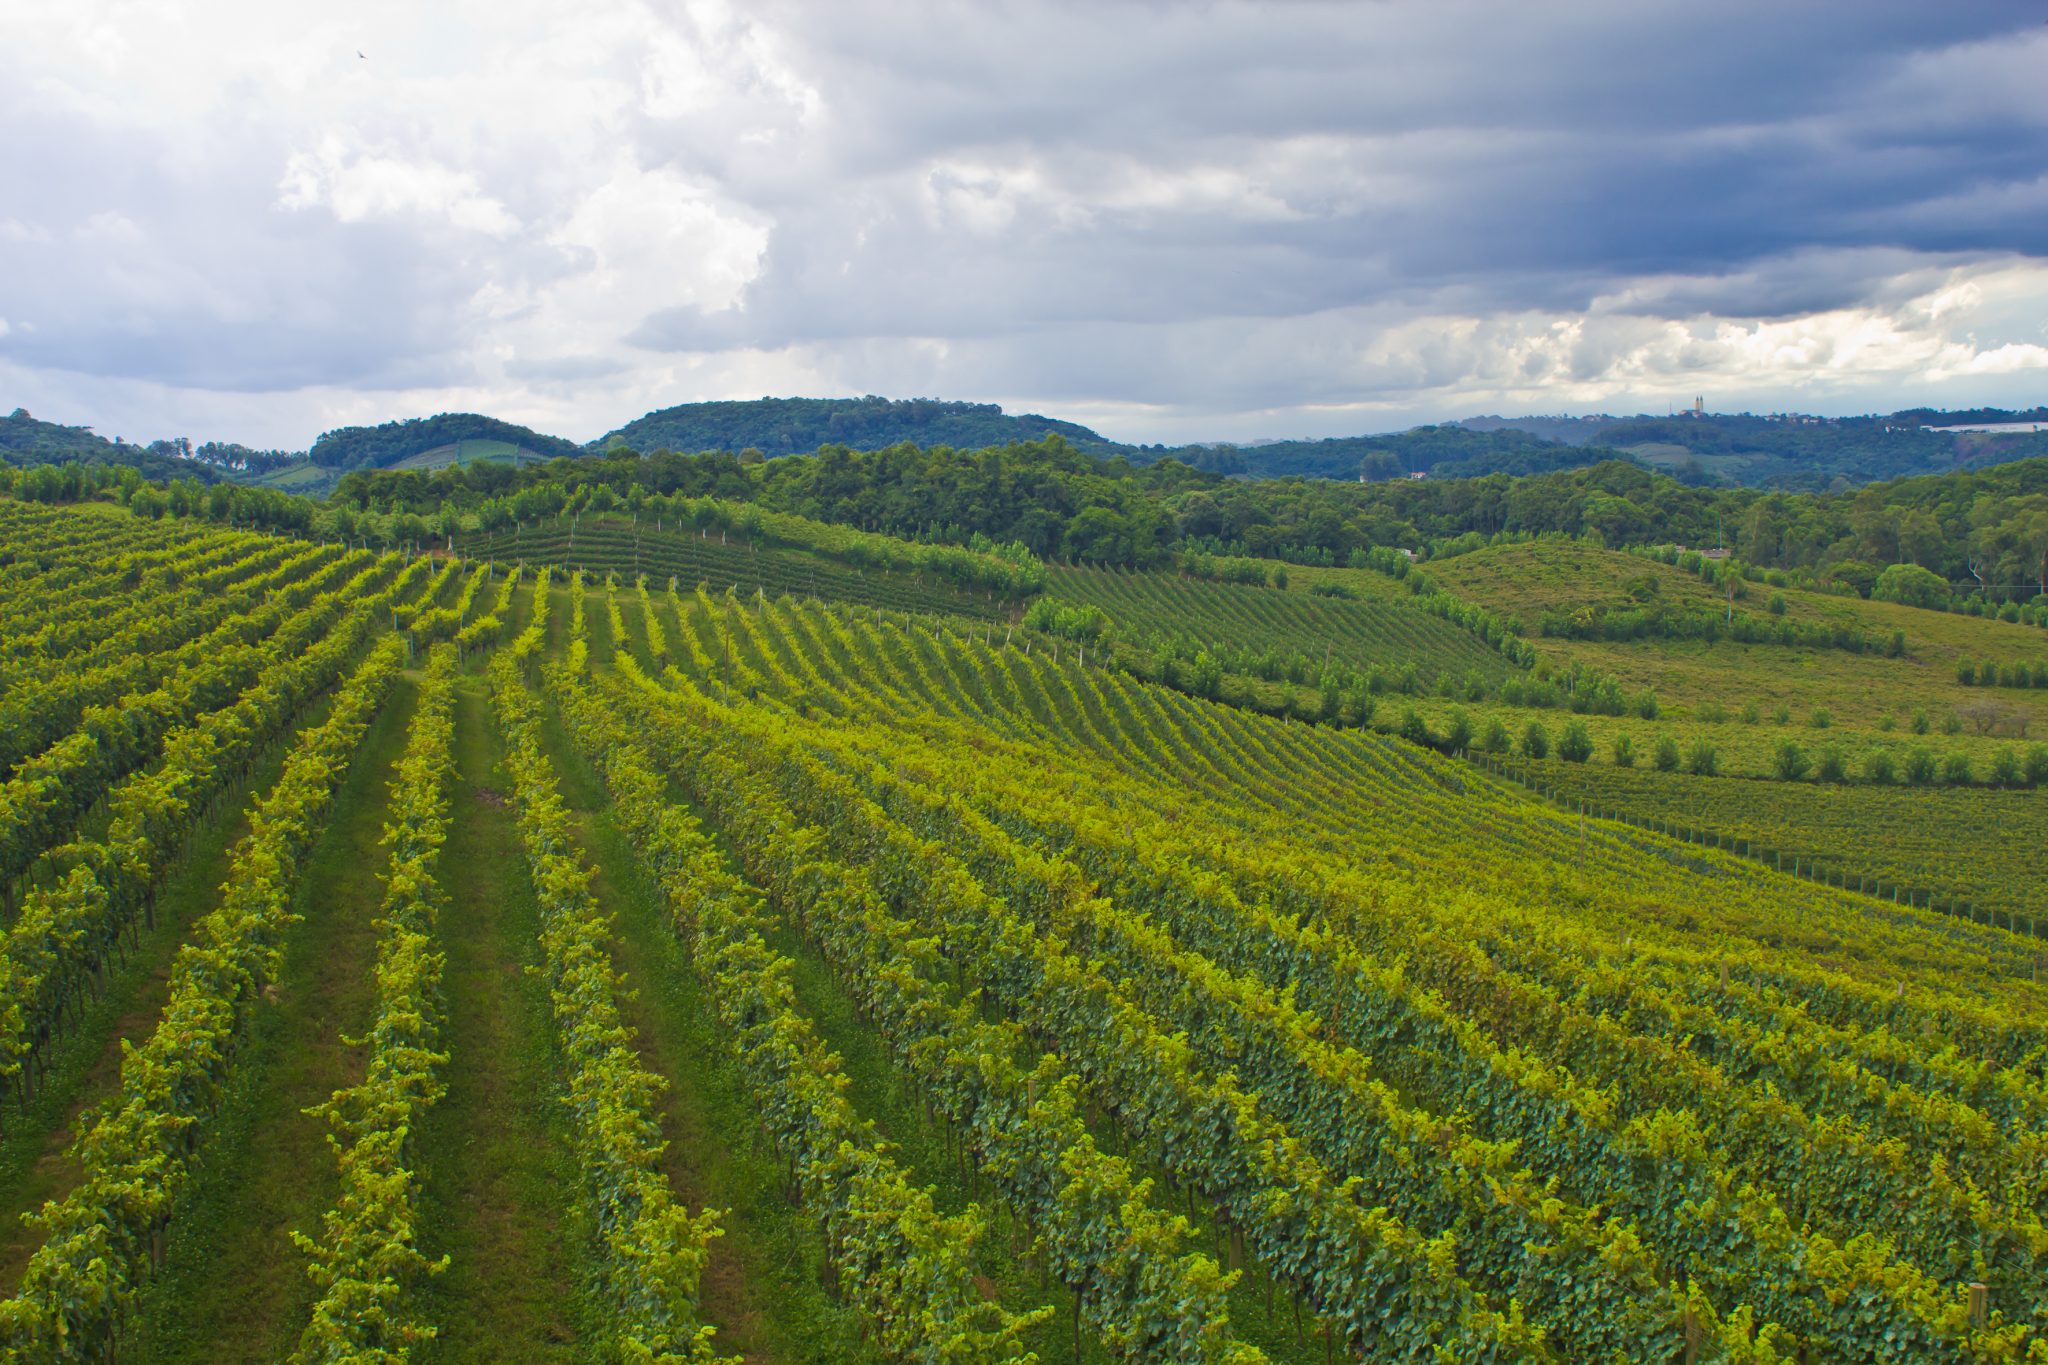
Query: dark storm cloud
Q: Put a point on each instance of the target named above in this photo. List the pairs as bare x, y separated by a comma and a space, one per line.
1202, 208
1525, 157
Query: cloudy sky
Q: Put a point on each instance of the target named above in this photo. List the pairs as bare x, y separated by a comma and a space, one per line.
1173, 221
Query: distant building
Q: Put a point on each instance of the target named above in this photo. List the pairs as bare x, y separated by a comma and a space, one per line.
1716, 553
1418, 474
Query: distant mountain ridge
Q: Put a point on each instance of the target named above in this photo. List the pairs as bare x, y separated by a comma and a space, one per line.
798, 426
1795, 450
1784, 451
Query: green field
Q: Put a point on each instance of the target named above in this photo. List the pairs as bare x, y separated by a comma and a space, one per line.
479, 959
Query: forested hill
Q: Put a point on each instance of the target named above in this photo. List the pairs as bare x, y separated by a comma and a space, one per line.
798, 426
1793, 451
382, 446
25, 441
1449, 451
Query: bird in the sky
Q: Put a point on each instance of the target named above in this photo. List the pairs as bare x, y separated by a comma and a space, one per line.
359, 53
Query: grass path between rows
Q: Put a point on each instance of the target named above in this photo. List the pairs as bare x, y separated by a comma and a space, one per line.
496, 1179
233, 1286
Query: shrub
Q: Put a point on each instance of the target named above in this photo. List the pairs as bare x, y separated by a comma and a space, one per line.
1783, 715
1750, 713
2036, 765
1966, 673
1575, 745
2005, 768
1880, 768
1702, 759
1535, 743
1832, 767
1646, 704
1887, 722
1952, 723
1956, 771
1777, 604
1665, 756
1895, 646
1920, 725
1413, 727
1713, 713
1921, 769
1791, 761
1495, 739
1624, 752
1821, 718
1458, 731
1911, 585
1359, 705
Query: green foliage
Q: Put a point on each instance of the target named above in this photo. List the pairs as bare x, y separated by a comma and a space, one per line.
1665, 754
1413, 728
1792, 763
1879, 767
1575, 745
1624, 752
1911, 585
1702, 759
1833, 765
1535, 741
1085, 624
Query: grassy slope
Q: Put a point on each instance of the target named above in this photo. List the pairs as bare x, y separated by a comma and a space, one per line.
1705, 688
1525, 580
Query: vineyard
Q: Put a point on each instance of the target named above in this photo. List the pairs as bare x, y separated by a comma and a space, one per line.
1279, 634
664, 950
1977, 849
719, 560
